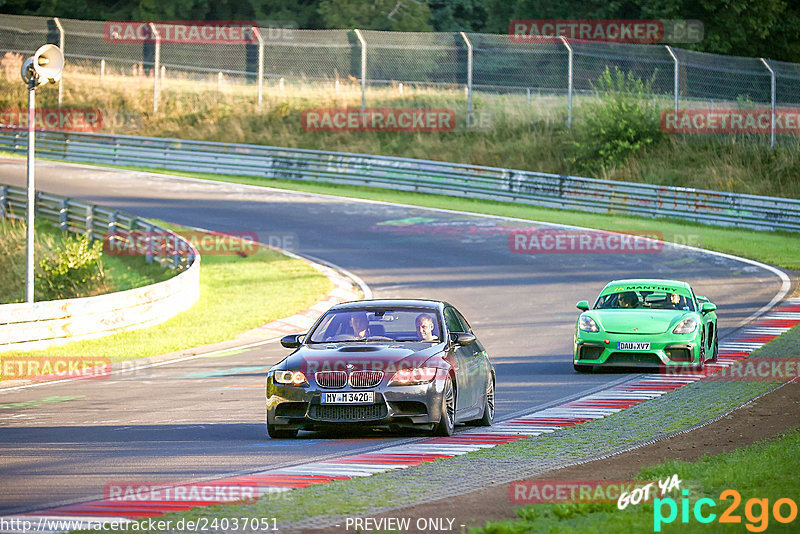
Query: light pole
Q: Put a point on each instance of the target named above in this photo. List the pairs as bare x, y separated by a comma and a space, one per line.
44, 67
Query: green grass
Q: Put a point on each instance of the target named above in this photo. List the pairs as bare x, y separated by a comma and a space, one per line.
511, 132
764, 470
236, 294
119, 272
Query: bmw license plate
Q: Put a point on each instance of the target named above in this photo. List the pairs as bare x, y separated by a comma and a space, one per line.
349, 397
633, 345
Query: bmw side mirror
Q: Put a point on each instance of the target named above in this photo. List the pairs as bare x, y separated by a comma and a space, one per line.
583, 305
292, 341
462, 339
708, 307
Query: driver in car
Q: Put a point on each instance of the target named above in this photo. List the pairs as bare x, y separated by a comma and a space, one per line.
628, 300
360, 325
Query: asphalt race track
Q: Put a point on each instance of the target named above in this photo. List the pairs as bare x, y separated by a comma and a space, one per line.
204, 418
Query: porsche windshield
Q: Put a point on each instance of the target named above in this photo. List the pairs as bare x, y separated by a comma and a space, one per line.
407, 324
646, 300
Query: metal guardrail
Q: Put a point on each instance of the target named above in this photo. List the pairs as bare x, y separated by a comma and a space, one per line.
542, 189
27, 326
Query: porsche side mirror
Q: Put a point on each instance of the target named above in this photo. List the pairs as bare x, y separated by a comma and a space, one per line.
462, 339
583, 305
292, 341
701, 298
708, 307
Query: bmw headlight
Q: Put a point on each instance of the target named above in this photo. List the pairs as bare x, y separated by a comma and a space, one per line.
289, 378
687, 326
418, 375
587, 324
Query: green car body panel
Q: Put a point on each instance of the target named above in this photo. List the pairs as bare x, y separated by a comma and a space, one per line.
646, 323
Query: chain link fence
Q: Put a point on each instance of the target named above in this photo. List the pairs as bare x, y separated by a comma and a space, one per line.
562, 68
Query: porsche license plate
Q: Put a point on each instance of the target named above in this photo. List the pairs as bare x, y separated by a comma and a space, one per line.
349, 397
633, 345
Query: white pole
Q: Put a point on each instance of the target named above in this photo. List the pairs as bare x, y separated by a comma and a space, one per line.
260, 65
363, 68
677, 74
569, 82
102, 70
469, 76
156, 66
31, 207
61, 46
771, 103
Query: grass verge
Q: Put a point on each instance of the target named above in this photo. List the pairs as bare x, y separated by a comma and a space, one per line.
315, 506
119, 272
766, 470
236, 294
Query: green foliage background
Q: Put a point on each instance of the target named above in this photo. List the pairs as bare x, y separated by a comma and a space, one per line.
754, 28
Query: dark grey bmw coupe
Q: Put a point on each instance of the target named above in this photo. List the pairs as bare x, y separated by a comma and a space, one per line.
382, 363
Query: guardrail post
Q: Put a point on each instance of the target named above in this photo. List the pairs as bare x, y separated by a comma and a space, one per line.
257, 33
112, 224
469, 77
90, 223
156, 66
569, 81
62, 215
61, 46
363, 68
102, 71
3, 201
771, 103
676, 75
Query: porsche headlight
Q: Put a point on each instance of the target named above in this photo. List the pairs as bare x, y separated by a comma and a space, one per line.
289, 378
687, 326
418, 375
587, 324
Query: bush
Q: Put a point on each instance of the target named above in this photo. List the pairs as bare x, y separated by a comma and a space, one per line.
625, 121
70, 270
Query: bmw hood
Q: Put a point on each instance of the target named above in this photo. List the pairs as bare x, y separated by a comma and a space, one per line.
638, 321
360, 356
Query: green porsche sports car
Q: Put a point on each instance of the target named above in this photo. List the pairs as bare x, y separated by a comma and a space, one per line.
646, 323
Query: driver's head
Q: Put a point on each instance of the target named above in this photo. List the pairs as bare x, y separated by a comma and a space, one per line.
424, 323
359, 322
674, 298
627, 300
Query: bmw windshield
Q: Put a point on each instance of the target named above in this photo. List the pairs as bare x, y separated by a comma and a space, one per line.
370, 324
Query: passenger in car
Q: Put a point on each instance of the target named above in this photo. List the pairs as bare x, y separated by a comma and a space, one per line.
425, 327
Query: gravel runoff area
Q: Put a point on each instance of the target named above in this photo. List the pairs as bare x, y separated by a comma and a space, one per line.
704, 404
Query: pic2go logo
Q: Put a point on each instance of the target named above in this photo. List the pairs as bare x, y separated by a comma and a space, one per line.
756, 511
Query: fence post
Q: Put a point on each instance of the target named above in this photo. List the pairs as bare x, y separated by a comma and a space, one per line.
363, 68
3, 201
569, 82
156, 66
90, 222
771, 103
61, 46
676, 76
260, 65
63, 214
469, 77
